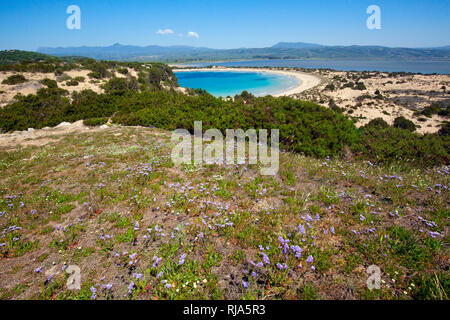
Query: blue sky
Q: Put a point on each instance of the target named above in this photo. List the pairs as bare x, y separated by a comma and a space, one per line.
28, 25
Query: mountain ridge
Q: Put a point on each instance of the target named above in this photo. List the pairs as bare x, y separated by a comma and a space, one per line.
281, 50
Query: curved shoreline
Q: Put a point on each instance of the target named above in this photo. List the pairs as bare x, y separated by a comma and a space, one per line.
306, 81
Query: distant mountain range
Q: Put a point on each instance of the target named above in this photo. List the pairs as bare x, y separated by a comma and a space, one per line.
282, 50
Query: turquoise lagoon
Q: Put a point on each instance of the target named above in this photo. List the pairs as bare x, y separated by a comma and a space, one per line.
230, 83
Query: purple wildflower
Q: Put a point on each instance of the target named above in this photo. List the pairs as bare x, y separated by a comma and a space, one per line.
265, 258
94, 295
156, 261
38, 269
181, 261
130, 287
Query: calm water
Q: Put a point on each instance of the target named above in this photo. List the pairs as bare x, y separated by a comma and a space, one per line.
441, 67
230, 83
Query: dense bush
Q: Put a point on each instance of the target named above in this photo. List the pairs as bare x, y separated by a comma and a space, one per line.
304, 127
49, 83
79, 79
158, 74
50, 106
46, 108
72, 83
403, 123
378, 122
445, 129
15, 79
389, 144
430, 110
118, 86
92, 122
444, 112
438, 109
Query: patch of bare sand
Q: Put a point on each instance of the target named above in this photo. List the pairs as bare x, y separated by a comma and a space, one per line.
39, 137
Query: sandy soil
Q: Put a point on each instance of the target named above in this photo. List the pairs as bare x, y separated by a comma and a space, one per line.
40, 137
400, 95
7, 92
305, 81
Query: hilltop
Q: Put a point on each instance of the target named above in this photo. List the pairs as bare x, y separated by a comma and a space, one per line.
14, 56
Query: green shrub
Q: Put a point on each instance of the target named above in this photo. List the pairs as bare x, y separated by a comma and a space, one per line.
99, 68
304, 126
72, 83
49, 83
244, 96
92, 122
389, 144
58, 72
360, 86
431, 110
333, 106
79, 79
63, 77
118, 86
444, 112
378, 122
46, 108
14, 79
403, 123
445, 129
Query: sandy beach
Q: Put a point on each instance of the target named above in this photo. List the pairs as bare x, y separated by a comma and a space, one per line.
305, 81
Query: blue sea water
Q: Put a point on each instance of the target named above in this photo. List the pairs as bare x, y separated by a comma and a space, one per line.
230, 83
425, 67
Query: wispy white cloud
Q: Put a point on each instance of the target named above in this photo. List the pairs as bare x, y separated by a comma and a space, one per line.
193, 34
165, 31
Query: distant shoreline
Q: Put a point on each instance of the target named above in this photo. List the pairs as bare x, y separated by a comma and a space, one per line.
305, 81
425, 67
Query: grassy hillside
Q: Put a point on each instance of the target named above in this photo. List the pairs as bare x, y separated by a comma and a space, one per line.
111, 202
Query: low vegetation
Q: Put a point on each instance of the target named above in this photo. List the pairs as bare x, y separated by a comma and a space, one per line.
112, 202
14, 79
